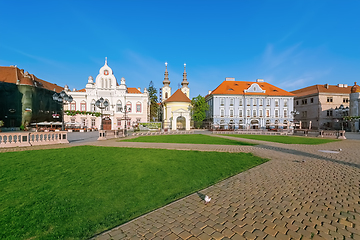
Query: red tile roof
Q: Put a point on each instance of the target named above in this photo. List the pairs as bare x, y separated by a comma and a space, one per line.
13, 74
81, 90
326, 88
238, 87
178, 96
133, 90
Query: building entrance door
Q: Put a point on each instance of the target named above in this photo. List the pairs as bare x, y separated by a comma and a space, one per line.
106, 123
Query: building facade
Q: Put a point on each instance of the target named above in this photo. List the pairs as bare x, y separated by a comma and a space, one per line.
26, 99
248, 105
316, 105
119, 96
355, 108
176, 107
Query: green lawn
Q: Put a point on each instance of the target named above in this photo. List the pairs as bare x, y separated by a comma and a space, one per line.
187, 138
284, 139
77, 192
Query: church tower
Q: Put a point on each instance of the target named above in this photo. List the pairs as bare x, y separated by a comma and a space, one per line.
184, 84
166, 88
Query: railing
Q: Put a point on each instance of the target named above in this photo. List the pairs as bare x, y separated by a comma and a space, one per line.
23, 139
254, 132
162, 133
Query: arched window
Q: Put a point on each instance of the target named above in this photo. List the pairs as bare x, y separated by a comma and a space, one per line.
93, 107
128, 106
166, 95
83, 106
231, 113
138, 107
119, 106
222, 113
73, 106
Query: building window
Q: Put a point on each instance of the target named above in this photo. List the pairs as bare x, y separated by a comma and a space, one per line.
222, 113
261, 101
285, 113
240, 102
138, 107
222, 101
297, 102
72, 120
93, 121
231, 101
248, 101
345, 100
260, 113
240, 113
276, 102
128, 106
267, 102
119, 121
83, 122
254, 113
329, 99
285, 102
248, 113
166, 95
93, 107
276, 113
329, 113
267, 112
304, 101
73, 106
83, 106
119, 106
231, 113
311, 100
252, 101
304, 114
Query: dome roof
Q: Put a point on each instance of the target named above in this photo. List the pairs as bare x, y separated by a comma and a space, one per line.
355, 88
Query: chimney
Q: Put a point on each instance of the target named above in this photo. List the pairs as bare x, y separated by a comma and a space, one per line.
340, 85
139, 89
209, 92
326, 86
229, 79
259, 80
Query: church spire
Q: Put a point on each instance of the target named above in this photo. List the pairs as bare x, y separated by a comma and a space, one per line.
184, 82
105, 60
166, 81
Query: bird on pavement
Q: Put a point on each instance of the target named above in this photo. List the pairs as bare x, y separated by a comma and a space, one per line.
207, 199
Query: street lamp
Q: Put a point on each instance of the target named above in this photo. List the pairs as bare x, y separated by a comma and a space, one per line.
294, 113
62, 98
343, 112
102, 104
125, 110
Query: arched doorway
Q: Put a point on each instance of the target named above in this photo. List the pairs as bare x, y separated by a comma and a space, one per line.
254, 124
180, 123
106, 121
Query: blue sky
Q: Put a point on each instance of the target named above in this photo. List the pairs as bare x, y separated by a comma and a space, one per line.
290, 44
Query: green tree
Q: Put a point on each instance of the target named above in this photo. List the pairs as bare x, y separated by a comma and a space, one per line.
199, 106
153, 102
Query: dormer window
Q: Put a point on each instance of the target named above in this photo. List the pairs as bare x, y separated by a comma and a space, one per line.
106, 72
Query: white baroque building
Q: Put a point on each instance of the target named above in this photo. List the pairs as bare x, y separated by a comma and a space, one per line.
118, 96
249, 105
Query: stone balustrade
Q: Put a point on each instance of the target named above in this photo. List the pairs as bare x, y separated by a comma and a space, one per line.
23, 139
254, 132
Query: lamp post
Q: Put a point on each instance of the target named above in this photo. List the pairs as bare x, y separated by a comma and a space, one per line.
102, 104
62, 98
294, 113
125, 110
343, 112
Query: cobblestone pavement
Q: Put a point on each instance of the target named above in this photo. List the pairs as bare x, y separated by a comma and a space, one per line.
301, 193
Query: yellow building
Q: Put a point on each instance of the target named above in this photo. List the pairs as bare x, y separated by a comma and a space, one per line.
176, 108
